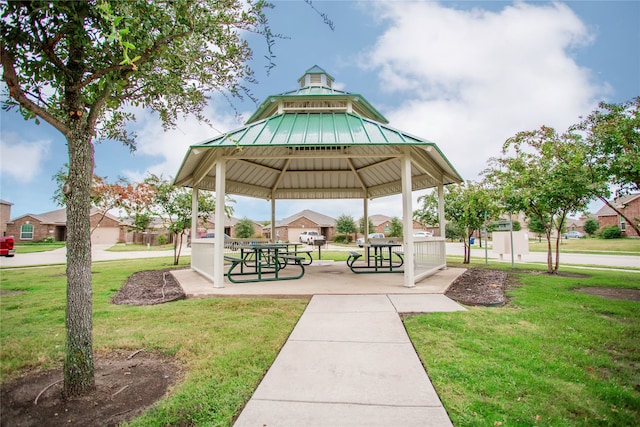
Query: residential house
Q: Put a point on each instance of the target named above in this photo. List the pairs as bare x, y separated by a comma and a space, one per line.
382, 224
229, 227
106, 229
290, 228
630, 205
5, 215
576, 224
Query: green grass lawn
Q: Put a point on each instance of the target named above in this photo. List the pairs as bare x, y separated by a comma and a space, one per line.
26, 248
591, 245
551, 357
225, 345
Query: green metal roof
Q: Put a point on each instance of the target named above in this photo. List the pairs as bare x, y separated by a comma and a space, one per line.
316, 142
314, 129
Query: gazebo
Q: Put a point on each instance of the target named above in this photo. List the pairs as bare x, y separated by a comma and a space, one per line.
317, 142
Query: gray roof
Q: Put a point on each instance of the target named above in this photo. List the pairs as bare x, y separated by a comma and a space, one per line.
318, 218
619, 202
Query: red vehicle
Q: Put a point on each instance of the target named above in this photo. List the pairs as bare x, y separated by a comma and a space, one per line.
6, 246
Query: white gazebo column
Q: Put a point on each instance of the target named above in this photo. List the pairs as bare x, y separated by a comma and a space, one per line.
441, 220
273, 219
407, 222
366, 215
218, 250
194, 213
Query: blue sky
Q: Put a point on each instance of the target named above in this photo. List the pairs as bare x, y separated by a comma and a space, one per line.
464, 74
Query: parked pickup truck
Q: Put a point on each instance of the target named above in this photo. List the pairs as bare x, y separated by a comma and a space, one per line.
309, 237
6, 246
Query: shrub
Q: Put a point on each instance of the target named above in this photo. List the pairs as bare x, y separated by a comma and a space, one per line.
611, 232
591, 226
342, 238
162, 239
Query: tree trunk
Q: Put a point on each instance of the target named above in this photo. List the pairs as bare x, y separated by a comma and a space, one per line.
78, 363
467, 251
549, 253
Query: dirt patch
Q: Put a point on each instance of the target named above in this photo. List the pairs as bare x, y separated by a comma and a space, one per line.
613, 293
126, 384
479, 286
149, 288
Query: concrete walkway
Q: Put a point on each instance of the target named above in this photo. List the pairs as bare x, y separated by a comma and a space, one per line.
349, 362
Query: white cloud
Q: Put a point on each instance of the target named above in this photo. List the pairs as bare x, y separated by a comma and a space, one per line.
22, 160
171, 146
473, 78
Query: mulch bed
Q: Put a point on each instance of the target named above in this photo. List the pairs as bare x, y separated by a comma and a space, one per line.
149, 288
479, 286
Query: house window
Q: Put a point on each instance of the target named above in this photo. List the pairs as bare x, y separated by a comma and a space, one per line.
26, 232
623, 224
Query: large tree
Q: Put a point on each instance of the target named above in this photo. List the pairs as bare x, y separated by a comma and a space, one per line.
467, 207
612, 138
544, 174
81, 65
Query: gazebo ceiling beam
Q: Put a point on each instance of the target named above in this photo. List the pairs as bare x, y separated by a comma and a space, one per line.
281, 176
356, 174
325, 155
377, 164
320, 193
258, 165
204, 166
426, 165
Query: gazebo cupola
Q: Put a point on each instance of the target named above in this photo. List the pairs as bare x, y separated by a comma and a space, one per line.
316, 76
316, 95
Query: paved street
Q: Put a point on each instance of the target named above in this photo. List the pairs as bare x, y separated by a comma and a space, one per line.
99, 253
618, 261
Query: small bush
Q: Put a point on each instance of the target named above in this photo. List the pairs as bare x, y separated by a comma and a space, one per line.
611, 232
342, 238
162, 239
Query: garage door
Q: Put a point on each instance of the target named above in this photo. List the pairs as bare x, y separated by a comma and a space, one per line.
106, 235
294, 234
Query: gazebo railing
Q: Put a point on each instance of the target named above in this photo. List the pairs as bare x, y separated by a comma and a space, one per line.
202, 253
429, 256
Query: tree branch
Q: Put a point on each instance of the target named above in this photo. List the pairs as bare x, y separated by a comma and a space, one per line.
16, 92
144, 58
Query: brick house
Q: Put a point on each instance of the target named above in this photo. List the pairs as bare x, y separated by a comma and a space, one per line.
630, 205
576, 224
35, 228
382, 224
5, 215
289, 229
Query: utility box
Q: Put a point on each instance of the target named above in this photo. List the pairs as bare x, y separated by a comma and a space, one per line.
502, 244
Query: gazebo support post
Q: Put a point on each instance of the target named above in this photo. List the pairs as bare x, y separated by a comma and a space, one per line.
407, 222
273, 219
218, 250
366, 215
441, 219
194, 213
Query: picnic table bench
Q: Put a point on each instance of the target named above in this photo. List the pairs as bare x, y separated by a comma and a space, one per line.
262, 263
381, 260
